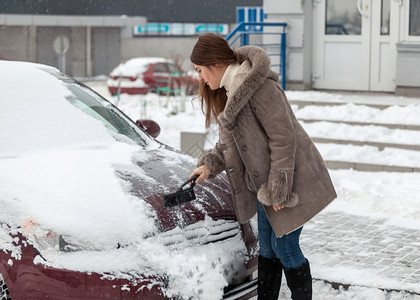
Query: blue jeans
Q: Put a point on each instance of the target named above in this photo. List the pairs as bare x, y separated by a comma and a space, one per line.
286, 248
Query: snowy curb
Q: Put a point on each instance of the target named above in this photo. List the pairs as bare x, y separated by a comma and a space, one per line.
336, 165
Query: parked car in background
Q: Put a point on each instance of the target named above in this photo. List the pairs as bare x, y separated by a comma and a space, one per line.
150, 74
82, 203
3, 57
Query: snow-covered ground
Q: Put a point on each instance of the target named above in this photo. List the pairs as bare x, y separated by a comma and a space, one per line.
393, 196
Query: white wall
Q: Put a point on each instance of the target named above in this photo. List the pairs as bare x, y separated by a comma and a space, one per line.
298, 16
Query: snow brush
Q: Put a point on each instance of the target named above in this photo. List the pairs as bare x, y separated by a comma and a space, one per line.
182, 195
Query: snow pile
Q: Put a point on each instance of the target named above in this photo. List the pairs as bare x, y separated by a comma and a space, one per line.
370, 133
51, 151
370, 155
392, 196
351, 112
72, 193
22, 106
195, 272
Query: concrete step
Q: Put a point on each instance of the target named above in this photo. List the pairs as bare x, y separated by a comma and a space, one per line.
337, 165
302, 103
379, 145
359, 166
387, 125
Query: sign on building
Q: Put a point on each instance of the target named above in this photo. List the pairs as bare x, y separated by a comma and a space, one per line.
179, 29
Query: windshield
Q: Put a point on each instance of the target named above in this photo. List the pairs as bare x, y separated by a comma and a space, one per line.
97, 107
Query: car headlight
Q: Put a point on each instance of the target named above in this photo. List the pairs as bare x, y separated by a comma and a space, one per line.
46, 240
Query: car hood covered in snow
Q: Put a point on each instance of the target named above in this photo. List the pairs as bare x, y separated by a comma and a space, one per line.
63, 173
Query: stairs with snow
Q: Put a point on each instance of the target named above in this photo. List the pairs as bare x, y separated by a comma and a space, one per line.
363, 137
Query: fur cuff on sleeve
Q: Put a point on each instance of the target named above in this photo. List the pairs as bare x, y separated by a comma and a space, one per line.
278, 193
213, 161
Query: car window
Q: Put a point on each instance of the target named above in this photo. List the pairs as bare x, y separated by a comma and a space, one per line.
85, 100
93, 111
160, 68
173, 69
97, 107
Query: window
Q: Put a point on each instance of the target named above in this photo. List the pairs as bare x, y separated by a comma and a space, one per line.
173, 70
414, 25
160, 68
385, 17
342, 17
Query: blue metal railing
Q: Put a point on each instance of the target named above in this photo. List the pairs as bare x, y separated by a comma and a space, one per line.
242, 33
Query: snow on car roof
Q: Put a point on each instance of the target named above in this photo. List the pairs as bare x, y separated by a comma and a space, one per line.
29, 112
137, 65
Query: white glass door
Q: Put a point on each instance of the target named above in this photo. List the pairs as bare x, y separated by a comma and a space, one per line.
384, 37
353, 45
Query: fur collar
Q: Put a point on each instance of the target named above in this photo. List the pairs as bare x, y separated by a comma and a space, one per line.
250, 76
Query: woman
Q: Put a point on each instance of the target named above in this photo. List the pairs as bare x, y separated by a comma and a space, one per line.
272, 165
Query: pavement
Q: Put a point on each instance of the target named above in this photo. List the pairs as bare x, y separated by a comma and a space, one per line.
362, 251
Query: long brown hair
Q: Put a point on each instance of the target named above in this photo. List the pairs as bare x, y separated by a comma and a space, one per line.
210, 50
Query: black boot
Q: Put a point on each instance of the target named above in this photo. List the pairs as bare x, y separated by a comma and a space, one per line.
299, 281
269, 278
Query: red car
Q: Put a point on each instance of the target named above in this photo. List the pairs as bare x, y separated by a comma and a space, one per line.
82, 203
150, 74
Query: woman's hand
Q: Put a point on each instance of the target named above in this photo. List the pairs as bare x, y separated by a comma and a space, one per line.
278, 207
203, 172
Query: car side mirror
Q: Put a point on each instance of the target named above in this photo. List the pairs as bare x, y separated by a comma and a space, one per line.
149, 126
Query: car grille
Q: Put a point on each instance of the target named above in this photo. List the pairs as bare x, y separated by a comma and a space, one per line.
200, 233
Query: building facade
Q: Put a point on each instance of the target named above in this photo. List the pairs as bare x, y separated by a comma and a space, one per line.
77, 45
360, 45
86, 38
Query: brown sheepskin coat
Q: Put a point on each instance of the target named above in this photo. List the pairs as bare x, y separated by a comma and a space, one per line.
267, 155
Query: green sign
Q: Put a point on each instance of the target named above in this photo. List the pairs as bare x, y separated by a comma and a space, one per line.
153, 28
214, 28
179, 29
